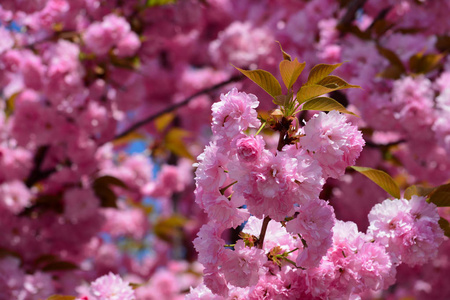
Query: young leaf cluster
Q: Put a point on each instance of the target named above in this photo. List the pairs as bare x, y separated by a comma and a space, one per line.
310, 95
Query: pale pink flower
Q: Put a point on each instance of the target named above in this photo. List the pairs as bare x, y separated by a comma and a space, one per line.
243, 266
216, 282
234, 113
277, 183
409, 229
276, 234
335, 143
202, 292
210, 245
249, 149
241, 44
351, 266
112, 287
314, 224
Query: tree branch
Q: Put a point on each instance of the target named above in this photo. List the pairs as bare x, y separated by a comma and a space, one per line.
36, 174
176, 105
349, 16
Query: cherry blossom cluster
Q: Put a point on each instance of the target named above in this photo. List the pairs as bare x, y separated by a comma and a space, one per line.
291, 244
77, 77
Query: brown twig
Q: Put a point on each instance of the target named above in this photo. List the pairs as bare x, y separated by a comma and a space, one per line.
262, 235
36, 174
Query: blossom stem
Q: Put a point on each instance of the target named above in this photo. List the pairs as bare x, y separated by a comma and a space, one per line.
267, 218
260, 128
263, 232
281, 140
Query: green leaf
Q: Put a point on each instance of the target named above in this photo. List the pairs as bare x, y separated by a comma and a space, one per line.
135, 285
333, 82
163, 121
290, 70
308, 92
132, 136
417, 190
391, 57
319, 72
130, 63
441, 196
422, 64
61, 297
391, 72
265, 80
281, 100
382, 179
59, 266
169, 228
151, 3
10, 104
174, 142
285, 55
326, 104
326, 85
445, 225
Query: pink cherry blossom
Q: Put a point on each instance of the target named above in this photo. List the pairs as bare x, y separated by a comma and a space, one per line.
112, 287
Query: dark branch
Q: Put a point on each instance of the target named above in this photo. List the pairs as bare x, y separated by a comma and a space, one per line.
36, 174
371, 144
349, 16
177, 105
